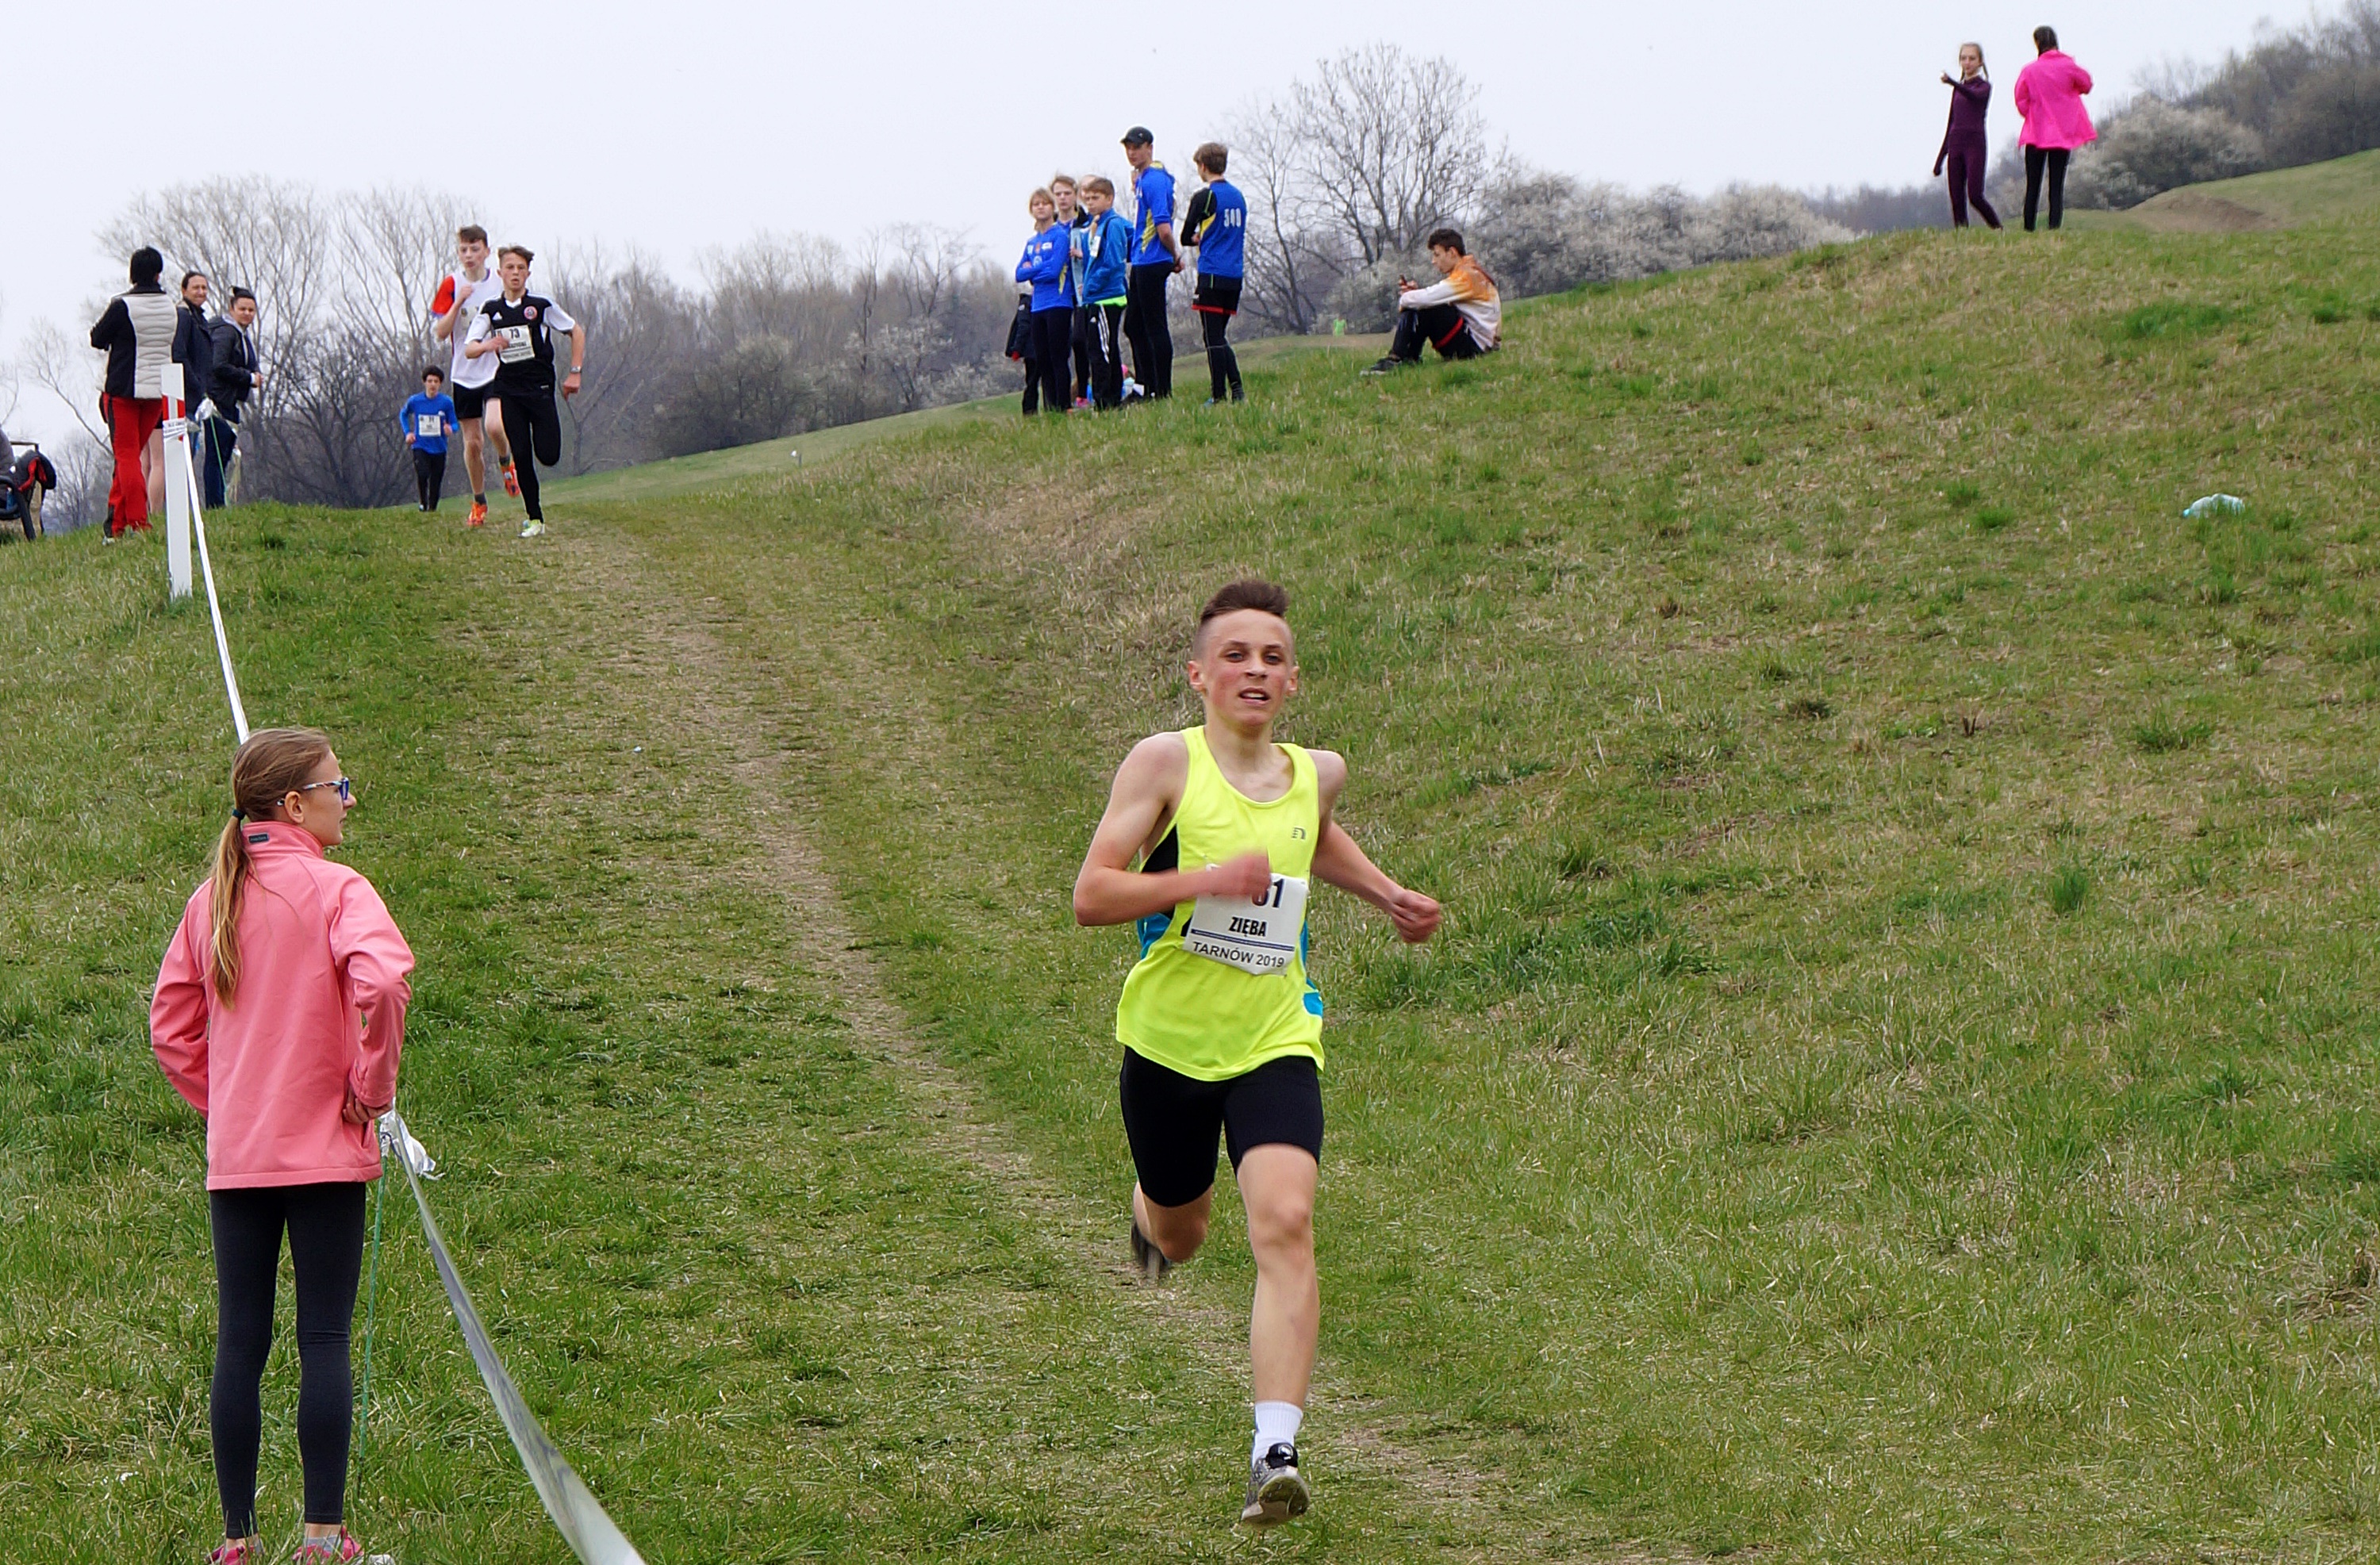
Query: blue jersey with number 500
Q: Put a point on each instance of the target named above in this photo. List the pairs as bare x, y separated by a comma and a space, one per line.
1218, 225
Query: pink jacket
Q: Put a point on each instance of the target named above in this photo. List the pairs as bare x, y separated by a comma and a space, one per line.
2049, 95
320, 1007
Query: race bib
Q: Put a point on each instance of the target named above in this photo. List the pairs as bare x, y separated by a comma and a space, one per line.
518, 347
1256, 937
429, 426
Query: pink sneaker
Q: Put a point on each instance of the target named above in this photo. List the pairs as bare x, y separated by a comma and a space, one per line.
328, 1551
237, 1551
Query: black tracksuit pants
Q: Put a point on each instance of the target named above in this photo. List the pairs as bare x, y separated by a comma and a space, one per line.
1052, 329
429, 476
533, 429
1144, 322
1107, 355
1441, 325
326, 1250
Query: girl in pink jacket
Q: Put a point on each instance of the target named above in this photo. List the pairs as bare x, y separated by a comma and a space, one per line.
279, 1013
2049, 95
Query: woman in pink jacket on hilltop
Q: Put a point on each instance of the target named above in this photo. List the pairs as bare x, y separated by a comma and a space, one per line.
279, 1013
2049, 95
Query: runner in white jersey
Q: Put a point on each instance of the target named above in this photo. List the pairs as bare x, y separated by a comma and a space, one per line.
459, 298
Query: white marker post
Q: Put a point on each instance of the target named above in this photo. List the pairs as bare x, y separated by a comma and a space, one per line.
178, 484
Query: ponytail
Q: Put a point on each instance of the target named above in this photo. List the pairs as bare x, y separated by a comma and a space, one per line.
271, 763
230, 877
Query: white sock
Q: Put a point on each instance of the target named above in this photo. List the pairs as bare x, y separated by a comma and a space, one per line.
1276, 1423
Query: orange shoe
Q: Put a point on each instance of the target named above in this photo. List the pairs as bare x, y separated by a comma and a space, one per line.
479, 517
512, 482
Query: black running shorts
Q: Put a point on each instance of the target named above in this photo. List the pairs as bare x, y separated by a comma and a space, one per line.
471, 402
1215, 296
1173, 1120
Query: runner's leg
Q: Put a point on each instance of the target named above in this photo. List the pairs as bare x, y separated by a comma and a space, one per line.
474, 457
1171, 1123
520, 421
1277, 1186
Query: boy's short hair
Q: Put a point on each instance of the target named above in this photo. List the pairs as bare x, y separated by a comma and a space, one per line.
1249, 593
147, 264
1447, 239
1100, 185
1068, 180
521, 251
471, 233
1212, 157
432, 372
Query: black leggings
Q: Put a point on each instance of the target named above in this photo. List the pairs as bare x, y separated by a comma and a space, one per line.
1222, 364
1967, 186
1051, 328
533, 429
326, 1250
2035, 157
429, 476
1144, 322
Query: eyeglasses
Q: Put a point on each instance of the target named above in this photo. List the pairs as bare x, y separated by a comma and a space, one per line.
346, 785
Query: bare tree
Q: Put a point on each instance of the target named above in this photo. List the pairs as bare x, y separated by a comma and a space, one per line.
67, 371
1282, 269
645, 327
397, 244
1390, 147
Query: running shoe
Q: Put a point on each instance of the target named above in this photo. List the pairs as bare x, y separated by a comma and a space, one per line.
479, 517
1146, 1258
1390, 366
512, 481
340, 1549
1277, 1490
236, 1551
532, 530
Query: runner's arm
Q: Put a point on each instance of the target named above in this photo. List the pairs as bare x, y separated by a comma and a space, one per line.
1147, 787
1340, 861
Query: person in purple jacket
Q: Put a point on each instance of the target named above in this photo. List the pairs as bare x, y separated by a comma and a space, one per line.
2049, 95
1964, 146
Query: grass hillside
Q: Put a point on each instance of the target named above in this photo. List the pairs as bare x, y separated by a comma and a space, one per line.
1896, 1080
2281, 198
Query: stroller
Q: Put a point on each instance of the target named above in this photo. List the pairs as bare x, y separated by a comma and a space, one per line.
25, 476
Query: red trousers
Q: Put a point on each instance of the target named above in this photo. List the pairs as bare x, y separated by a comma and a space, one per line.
130, 421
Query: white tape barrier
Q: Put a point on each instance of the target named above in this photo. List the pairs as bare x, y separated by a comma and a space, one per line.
214, 606
581, 1520
179, 490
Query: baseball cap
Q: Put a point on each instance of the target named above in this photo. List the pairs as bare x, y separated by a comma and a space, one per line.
1138, 136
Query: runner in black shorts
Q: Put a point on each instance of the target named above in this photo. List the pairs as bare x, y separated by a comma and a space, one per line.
1222, 1029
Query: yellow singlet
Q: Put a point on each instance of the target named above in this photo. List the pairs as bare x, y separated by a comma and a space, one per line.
1209, 1018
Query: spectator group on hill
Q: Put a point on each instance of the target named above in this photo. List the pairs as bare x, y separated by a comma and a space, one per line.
1085, 273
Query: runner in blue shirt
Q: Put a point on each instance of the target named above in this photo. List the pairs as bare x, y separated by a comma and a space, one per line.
428, 419
1155, 258
1216, 227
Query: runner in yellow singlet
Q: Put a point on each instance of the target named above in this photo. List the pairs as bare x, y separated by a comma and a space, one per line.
1221, 1027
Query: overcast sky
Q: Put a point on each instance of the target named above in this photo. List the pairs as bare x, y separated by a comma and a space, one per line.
687, 124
